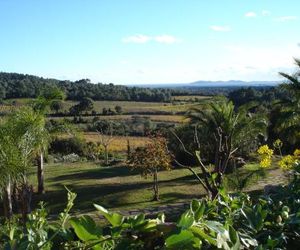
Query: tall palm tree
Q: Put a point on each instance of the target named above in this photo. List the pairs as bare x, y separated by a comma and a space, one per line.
288, 121
26, 119
228, 130
41, 106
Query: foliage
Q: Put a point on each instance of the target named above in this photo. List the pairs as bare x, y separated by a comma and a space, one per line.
66, 146
48, 96
226, 131
229, 222
287, 122
118, 109
286, 162
13, 85
21, 135
85, 104
150, 159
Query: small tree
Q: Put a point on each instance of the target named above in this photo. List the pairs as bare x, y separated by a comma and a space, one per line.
150, 159
106, 138
57, 106
118, 109
86, 104
104, 111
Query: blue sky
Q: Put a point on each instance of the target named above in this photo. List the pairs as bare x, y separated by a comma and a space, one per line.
153, 41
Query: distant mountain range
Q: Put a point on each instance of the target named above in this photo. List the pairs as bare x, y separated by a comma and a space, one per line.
204, 84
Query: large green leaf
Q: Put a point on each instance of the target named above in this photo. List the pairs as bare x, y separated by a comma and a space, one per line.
234, 238
186, 220
86, 228
198, 209
114, 219
184, 240
203, 235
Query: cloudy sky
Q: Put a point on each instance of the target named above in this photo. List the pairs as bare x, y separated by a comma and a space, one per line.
150, 41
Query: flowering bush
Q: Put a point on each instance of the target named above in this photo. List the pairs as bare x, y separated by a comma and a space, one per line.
286, 162
266, 156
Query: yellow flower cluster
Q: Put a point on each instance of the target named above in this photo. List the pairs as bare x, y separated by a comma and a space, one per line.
287, 162
265, 150
265, 162
266, 154
278, 144
297, 153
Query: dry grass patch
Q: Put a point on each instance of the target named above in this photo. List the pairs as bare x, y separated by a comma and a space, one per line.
119, 143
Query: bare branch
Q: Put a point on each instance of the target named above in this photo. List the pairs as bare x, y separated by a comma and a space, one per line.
180, 141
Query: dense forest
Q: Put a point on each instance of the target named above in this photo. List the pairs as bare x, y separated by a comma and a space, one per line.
13, 85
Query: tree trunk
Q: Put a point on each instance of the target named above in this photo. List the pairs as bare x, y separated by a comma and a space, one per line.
128, 150
214, 194
40, 174
106, 154
7, 201
155, 186
25, 200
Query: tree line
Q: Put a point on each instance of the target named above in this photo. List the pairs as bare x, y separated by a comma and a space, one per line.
13, 85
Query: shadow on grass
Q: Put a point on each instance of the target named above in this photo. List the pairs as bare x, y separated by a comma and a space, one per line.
108, 172
97, 173
112, 195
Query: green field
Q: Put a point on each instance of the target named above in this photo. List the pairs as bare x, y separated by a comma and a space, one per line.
127, 106
139, 107
190, 98
118, 188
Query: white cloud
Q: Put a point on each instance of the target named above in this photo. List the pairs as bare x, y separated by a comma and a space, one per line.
266, 13
166, 39
136, 39
286, 18
250, 14
263, 59
220, 28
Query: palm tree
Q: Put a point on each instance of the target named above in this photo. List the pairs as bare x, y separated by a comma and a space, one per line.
9, 167
16, 148
41, 106
228, 130
26, 119
293, 81
288, 121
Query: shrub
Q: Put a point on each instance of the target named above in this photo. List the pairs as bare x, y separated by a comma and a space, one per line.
71, 158
67, 146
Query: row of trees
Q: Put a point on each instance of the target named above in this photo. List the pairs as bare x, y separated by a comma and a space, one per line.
13, 85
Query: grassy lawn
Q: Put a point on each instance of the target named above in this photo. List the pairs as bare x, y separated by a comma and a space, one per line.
113, 187
118, 188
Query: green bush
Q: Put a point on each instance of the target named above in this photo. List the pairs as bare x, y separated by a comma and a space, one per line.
66, 146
